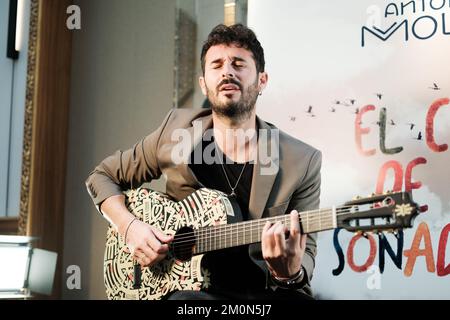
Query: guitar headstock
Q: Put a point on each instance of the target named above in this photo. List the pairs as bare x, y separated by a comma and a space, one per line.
379, 212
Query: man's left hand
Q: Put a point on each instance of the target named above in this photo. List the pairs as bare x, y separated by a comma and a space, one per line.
283, 256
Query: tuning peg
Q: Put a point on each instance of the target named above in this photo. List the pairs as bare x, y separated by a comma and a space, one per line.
387, 192
393, 231
361, 233
356, 198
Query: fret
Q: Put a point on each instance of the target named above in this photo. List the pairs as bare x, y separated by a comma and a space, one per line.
238, 231
223, 237
211, 238
206, 236
307, 222
203, 239
228, 237
198, 243
320, 220
239, 235
244, 233
333, 217
248, 233
204, 247
233, 236
215, 238
220, 239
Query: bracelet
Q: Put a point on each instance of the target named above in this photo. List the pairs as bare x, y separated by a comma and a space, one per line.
128, 227
296, 278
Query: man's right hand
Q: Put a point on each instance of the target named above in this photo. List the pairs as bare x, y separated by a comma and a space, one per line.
147, 244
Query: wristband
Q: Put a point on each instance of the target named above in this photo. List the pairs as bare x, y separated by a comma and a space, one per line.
128, 227
287, 282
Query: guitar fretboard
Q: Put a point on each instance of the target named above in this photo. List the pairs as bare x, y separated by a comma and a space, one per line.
247, 232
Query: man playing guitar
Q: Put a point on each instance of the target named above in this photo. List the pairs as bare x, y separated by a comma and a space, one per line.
241, 146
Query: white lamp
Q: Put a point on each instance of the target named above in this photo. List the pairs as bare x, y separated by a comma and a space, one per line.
24, 270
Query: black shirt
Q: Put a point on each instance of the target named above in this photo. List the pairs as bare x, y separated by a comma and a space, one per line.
231, 269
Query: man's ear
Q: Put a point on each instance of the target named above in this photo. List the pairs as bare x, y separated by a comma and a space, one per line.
201, 82
263, 78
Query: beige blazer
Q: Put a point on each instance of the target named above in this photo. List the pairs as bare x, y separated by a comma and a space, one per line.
293, 182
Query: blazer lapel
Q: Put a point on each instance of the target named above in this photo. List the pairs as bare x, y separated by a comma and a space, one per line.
196, 132
265, 170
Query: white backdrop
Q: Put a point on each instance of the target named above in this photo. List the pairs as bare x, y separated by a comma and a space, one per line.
315, 57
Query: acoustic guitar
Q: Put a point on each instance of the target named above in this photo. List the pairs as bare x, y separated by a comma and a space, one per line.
199, 225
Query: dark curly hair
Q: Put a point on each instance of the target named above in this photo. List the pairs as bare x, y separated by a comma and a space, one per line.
238, 35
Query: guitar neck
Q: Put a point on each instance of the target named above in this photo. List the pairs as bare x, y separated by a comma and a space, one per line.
247, 232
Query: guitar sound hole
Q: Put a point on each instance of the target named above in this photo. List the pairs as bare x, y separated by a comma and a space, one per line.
184, 243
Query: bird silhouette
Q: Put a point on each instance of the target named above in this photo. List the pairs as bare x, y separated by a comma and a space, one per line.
292, 118
309, 109
419, 136
411, 126
377, 123
356, 111
379, 95
333, 109
337, 102
392, 123
434, 87
352, 101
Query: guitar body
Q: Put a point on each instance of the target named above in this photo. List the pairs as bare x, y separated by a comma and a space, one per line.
203, 208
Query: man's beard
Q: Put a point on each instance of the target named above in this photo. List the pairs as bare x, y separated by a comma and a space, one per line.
236, 111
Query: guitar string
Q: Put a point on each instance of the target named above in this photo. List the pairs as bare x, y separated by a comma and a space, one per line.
251, 225
187, 248
184, 242
219, 231
311, 216
198, 233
